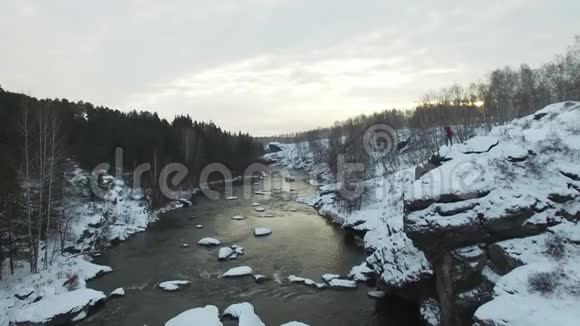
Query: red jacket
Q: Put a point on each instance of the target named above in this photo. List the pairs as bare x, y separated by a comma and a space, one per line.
449, 131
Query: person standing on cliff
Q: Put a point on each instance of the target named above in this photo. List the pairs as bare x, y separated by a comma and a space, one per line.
449, 135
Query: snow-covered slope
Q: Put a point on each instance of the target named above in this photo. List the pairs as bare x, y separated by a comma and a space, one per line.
474, 218
508, 199
121, 212
91, 223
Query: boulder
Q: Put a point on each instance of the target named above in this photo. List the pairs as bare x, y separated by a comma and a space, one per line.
61, 309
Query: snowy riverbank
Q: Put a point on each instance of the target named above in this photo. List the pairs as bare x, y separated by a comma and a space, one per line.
497, 206
58, 293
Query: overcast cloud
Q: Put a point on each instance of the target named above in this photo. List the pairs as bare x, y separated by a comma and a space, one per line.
269, 66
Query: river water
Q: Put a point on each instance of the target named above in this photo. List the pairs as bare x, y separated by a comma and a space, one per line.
302, 243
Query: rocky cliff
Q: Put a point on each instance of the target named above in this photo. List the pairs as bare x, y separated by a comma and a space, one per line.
498, 221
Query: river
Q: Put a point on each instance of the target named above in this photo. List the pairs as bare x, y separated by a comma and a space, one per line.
302, 243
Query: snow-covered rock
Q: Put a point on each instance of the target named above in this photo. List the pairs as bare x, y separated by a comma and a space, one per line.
245, 314
306, 281
238, 249
256, 204
294, 323
341, 283
262, 231
259, 209
224, 253
376, 294
259, 278
238, 271
174, 285
185, 202
232, 198
429, 310
60, 309
118, 292
328, 277
209, 242
519, 300
490, 217
199, 226
206, 316
238, 217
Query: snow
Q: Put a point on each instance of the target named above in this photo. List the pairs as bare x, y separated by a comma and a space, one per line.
245, 313
225, 253
239, 250
340, 283
360, 272
209, 242
329, 277
118, 292
306, 281
516, 304
294, 323
75, 303
262, 231
429, 311
122, 209
232, 198
238, 217
377, 294
198, 226
259, 209
206, 316
238, 271
173, 285
46, 284
256, 204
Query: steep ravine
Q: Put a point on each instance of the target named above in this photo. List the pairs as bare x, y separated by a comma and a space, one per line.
489, 237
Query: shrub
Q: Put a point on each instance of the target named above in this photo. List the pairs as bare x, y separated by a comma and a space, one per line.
543, 282
555, 247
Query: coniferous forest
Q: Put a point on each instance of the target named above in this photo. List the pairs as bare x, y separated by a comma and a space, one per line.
88, 135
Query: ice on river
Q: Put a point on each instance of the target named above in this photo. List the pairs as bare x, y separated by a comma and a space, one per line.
206, 316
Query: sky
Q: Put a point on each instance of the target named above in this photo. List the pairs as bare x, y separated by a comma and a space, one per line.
269, 66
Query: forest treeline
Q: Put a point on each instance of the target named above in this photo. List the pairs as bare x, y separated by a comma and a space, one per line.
506, 93
41, 140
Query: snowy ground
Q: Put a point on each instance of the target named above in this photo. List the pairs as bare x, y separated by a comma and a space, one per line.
531, 162
89, 231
